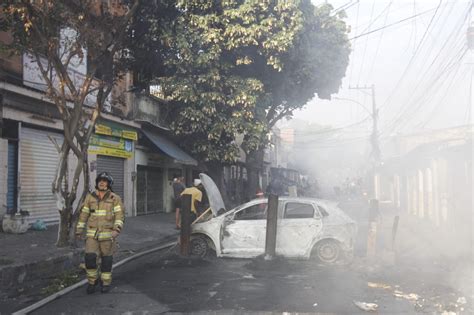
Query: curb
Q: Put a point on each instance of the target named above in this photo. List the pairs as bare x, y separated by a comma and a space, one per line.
64, 291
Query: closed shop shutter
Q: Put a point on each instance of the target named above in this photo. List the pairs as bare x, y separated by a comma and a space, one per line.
115, 167
11, 179
38, 162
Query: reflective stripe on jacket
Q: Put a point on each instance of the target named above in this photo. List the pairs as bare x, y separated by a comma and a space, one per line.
101, 217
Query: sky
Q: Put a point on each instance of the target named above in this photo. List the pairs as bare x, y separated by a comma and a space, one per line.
421, 68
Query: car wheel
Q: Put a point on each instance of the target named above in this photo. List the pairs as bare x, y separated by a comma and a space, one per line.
199, 246
327, 251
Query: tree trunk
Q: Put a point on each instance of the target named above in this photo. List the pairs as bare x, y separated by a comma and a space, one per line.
254, 169
64, 227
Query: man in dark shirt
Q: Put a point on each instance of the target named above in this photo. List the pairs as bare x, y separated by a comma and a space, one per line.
178, 187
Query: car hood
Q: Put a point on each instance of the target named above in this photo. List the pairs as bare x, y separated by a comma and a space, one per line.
213, 194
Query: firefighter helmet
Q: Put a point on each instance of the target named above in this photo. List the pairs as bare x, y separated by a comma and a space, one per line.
104, 176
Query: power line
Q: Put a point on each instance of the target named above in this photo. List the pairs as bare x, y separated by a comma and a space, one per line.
354, 43
380, 40
406, 116
403, 109
392, 24
441, 100
366, 44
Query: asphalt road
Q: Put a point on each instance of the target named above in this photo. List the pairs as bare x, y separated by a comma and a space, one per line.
164, 282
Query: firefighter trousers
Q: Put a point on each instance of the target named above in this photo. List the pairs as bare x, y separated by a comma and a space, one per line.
99, 249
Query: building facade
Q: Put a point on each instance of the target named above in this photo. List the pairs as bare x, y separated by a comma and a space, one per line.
128, 141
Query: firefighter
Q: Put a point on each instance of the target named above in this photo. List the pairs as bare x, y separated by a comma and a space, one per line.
102, 216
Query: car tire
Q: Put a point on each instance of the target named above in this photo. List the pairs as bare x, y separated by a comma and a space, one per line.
327, 252
199, 246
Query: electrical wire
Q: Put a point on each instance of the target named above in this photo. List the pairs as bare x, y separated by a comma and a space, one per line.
436, 109
414, 105
456, 34
392, 24
366, 44
354, 44
380, 40
425, 59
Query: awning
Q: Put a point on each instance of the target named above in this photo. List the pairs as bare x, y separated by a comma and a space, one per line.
170, 148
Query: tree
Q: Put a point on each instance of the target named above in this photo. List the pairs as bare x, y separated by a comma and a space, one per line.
58, 36
315, 64
212, 100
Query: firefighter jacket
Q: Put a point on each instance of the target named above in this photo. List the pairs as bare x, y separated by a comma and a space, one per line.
101, 217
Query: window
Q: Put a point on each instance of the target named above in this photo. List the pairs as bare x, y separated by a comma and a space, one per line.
294, 210
255, 212
323, 211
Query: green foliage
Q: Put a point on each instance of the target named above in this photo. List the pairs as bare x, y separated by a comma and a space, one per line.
238, 66
62, 281
314, 64
213, 98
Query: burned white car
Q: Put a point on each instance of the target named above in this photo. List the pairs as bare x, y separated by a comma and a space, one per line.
306, 228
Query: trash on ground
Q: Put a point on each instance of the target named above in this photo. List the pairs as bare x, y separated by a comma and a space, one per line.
369, 307
461, 300
39, 225
315, 304
410, 296
378, 285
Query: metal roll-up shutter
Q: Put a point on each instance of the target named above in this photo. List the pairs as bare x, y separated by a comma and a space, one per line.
11, 177
38, 161
115, 167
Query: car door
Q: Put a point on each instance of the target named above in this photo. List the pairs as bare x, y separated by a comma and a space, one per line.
243, 234
299, 224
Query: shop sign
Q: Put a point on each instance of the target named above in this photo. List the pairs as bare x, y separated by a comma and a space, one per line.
111, 146
107, 130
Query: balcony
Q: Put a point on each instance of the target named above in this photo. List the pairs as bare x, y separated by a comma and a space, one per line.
149, 109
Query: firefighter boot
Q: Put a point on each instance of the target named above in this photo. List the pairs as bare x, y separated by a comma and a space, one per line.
105, 289
91, 287
91, 269
106, 273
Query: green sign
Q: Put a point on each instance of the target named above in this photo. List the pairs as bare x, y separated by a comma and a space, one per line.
109, 129
111, 146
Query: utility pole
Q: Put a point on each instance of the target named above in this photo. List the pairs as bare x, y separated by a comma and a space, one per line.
374, 138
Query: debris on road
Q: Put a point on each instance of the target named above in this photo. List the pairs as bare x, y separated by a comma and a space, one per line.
410, 296
461, 300
378, 285
369, 307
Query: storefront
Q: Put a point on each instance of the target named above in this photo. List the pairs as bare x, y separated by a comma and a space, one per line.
111, 149
158, 161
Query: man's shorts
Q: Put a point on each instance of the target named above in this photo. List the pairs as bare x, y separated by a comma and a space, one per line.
177, 203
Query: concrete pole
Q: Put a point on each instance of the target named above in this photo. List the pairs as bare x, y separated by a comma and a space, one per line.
185, 224
272, 219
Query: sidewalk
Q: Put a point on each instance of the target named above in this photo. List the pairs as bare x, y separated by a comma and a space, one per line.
28, 262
